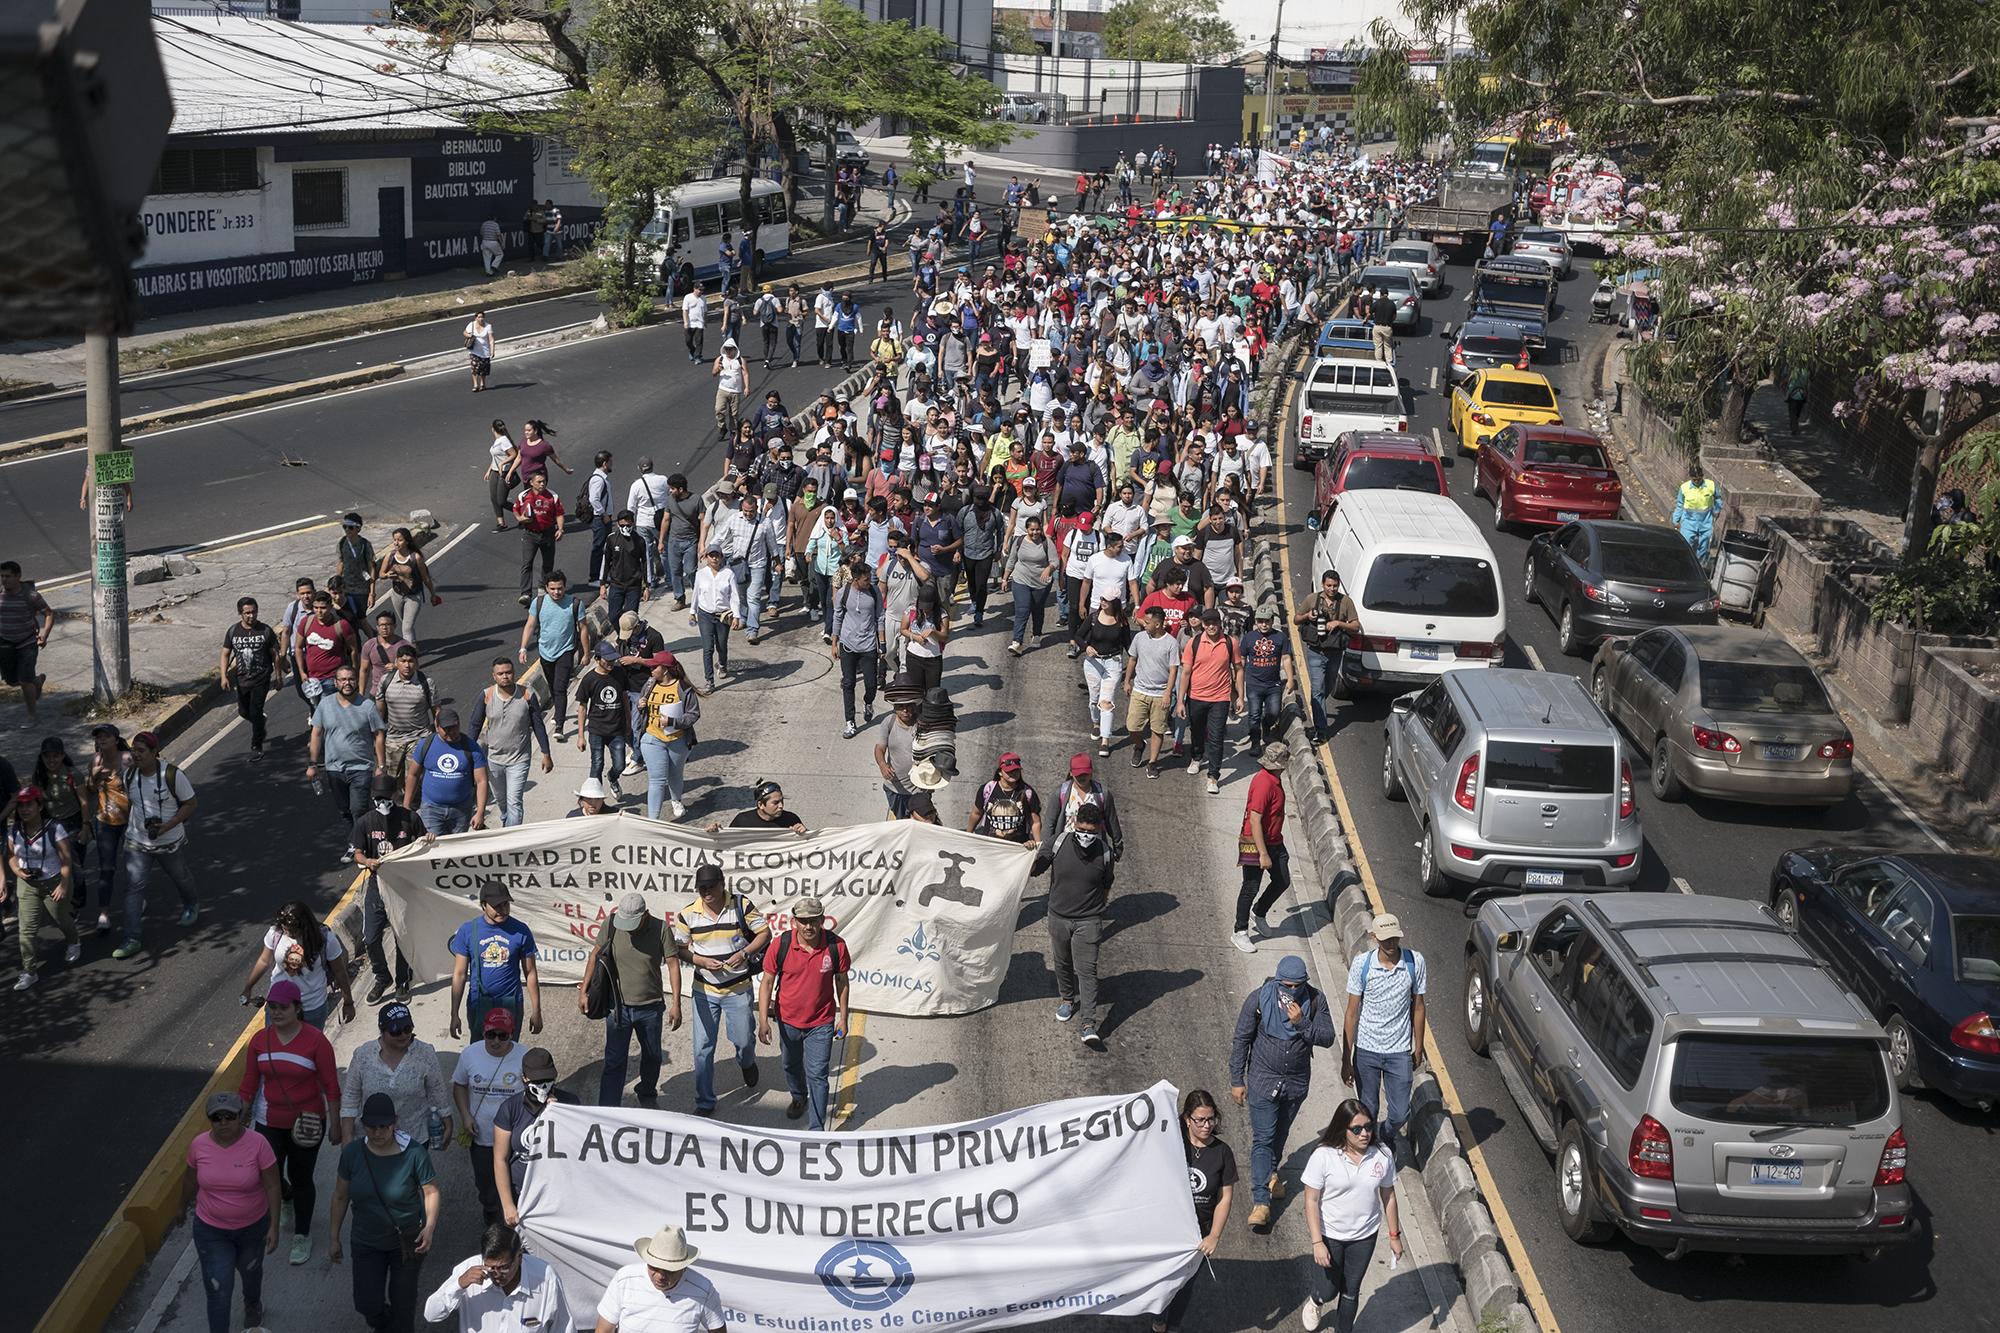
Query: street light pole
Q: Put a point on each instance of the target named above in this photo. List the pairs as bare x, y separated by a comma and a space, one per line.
1271, 74
110, 485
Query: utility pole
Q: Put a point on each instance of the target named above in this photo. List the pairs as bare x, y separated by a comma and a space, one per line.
110, 487
1271, 75
1055, 46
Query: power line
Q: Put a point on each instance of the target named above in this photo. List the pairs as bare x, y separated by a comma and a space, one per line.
406, 109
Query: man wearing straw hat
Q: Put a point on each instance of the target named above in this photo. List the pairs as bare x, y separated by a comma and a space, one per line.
661, 1293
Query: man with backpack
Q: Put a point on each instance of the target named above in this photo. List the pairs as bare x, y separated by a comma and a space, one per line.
1006, 807
162, 802
408, 705
1080, 866
1384, 1038
555, 627
632, 950
508, 718
806, 970
1211, 684
1079, 789
1270, 1070
383, 828
444, 780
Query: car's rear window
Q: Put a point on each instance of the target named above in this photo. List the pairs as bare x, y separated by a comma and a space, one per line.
1384, 404
1644, 561
1388, 474
1571, 453
1533, 766
1444, 585
1757, 687
1517, 393
1395, 279
1779, 1080
1541, 234
1976, 942
1482, 345
1405, 254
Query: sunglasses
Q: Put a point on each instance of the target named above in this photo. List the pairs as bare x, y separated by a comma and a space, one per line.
222, 1117
1361, 1127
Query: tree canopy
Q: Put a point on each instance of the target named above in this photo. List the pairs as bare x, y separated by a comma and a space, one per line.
1171, 30
1822, 182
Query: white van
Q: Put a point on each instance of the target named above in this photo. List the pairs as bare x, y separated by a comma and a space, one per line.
1424, 581
1344, 393
689, 224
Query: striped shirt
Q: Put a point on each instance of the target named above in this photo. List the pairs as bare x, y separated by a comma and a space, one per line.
717, 935
283, 1080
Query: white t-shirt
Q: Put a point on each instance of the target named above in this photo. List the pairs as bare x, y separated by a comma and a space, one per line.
1127, 520
498, 451
482, 339
694, 310
1107, 575
1350, 1193
635, 1305
312, 981
154, 796
488, 1082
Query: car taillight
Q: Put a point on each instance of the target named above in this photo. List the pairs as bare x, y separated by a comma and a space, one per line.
1458, 357
1895, 1160
1306, 424
1464, 853
1467, 791
1603, 596
1482, 418
1402, 423
1625, 805
1624, 860
1611, 487
1840, 749
1378, 643
1977, 1034
1652, 1152
1717, 740
1478, 648
1409, 300
1521, 362
1703, 607
1530, 478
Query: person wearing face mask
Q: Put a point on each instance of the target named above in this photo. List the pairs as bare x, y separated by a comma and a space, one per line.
982, 530
488, 1072
510, 1126
1270, 1071
624, 566
384, 827
1080, 869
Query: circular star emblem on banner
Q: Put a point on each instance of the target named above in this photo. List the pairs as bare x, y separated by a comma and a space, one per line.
865, 1274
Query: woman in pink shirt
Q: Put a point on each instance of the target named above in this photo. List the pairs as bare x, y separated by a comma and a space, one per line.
232, 1181
289, 1077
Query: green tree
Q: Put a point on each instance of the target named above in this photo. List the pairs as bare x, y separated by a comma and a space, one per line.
1183, 31
1011, 34
1821, 179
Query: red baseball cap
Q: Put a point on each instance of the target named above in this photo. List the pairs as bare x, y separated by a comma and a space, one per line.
499, 1020
1079, 764
1010, 762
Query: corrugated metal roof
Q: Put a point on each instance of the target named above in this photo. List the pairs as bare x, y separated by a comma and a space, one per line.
232, 75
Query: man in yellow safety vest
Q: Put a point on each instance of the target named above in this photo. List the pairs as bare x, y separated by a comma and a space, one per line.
1695, 508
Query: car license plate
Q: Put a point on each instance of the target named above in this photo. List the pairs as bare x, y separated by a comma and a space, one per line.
1777, 1173
1567, 515
1781, 752
1542, 879
1424, 652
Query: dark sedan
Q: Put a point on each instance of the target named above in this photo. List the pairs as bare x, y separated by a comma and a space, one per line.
1599, 578
1916, 937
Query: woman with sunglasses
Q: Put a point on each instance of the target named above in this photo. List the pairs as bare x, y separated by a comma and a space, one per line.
232, 1181
1350, 1185
1212, 1176
291, 1084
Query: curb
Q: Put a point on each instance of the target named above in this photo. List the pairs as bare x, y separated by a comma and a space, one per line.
174, 416
1435, 1153
31, 389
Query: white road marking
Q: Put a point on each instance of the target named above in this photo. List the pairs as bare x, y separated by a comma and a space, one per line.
198, 547
1437, 442
1903, 806
1434, 377
1534, 658
1682, 886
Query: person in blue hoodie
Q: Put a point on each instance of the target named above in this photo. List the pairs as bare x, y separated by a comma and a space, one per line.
1270, 1070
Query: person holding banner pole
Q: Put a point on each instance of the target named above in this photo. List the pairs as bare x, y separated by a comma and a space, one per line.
721, 934
1212, 1176
807, 972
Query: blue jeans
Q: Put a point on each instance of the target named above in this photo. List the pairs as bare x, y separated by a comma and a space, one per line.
1207, 723
602, 745
620, 600
808, 1056
619, 1025
508, 781
1321, 671
349, 789
714, 643
600, 528
1030, 604
1270, 1122
764, 582
1382, 1083
139, 865
223, 1255
110, 839
710, 1013
666, 764
1265, 704
680, 558
442, 819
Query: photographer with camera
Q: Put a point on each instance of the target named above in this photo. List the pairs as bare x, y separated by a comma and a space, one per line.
1326, 620
162, 802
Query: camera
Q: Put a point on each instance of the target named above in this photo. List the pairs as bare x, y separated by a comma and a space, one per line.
153, 827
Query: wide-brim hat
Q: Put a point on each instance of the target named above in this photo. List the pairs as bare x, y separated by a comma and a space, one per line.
666, 1248
903, 690
926, 776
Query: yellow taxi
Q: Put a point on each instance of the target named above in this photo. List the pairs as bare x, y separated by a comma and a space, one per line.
1493, 399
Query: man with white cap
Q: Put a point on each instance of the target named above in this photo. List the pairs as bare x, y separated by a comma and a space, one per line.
633, 944
732, 385
1384, 1038
501, 1289
661, 1293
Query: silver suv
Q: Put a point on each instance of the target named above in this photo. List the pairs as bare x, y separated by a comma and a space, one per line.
1702, 1080
1517, 779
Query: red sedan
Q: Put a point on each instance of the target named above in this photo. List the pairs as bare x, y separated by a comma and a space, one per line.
1545, 476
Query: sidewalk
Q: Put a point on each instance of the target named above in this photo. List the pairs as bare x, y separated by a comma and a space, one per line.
176, 634
1844, 491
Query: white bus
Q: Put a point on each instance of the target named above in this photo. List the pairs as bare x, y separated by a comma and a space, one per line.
689, 225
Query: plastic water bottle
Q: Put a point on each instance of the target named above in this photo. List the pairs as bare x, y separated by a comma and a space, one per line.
436, 1131
318, 785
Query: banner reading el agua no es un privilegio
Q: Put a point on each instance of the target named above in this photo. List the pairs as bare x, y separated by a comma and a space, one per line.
1071, 1207
927, 912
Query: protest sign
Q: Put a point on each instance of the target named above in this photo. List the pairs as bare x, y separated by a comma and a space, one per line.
1071, 1207
927, 912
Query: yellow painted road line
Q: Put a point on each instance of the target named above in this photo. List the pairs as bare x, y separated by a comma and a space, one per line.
850, 1068
1517, 1249
153, 1204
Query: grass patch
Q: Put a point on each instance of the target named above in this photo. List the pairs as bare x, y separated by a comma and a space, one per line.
143, 698
350, 319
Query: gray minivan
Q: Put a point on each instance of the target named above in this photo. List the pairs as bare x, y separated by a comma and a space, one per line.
1702, 1080
1517, 779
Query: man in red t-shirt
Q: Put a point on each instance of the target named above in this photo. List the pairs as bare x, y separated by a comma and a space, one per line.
1172, 599
541, 516
324, 643
807, 969
1260, 847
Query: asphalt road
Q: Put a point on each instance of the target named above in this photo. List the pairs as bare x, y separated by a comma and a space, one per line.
1710, 848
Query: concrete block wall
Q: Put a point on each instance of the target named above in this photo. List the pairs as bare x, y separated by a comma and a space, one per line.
1876, 658
1795, 581
1955, 718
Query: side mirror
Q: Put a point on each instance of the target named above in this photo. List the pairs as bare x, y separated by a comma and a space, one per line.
1508, 941
1400, 706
